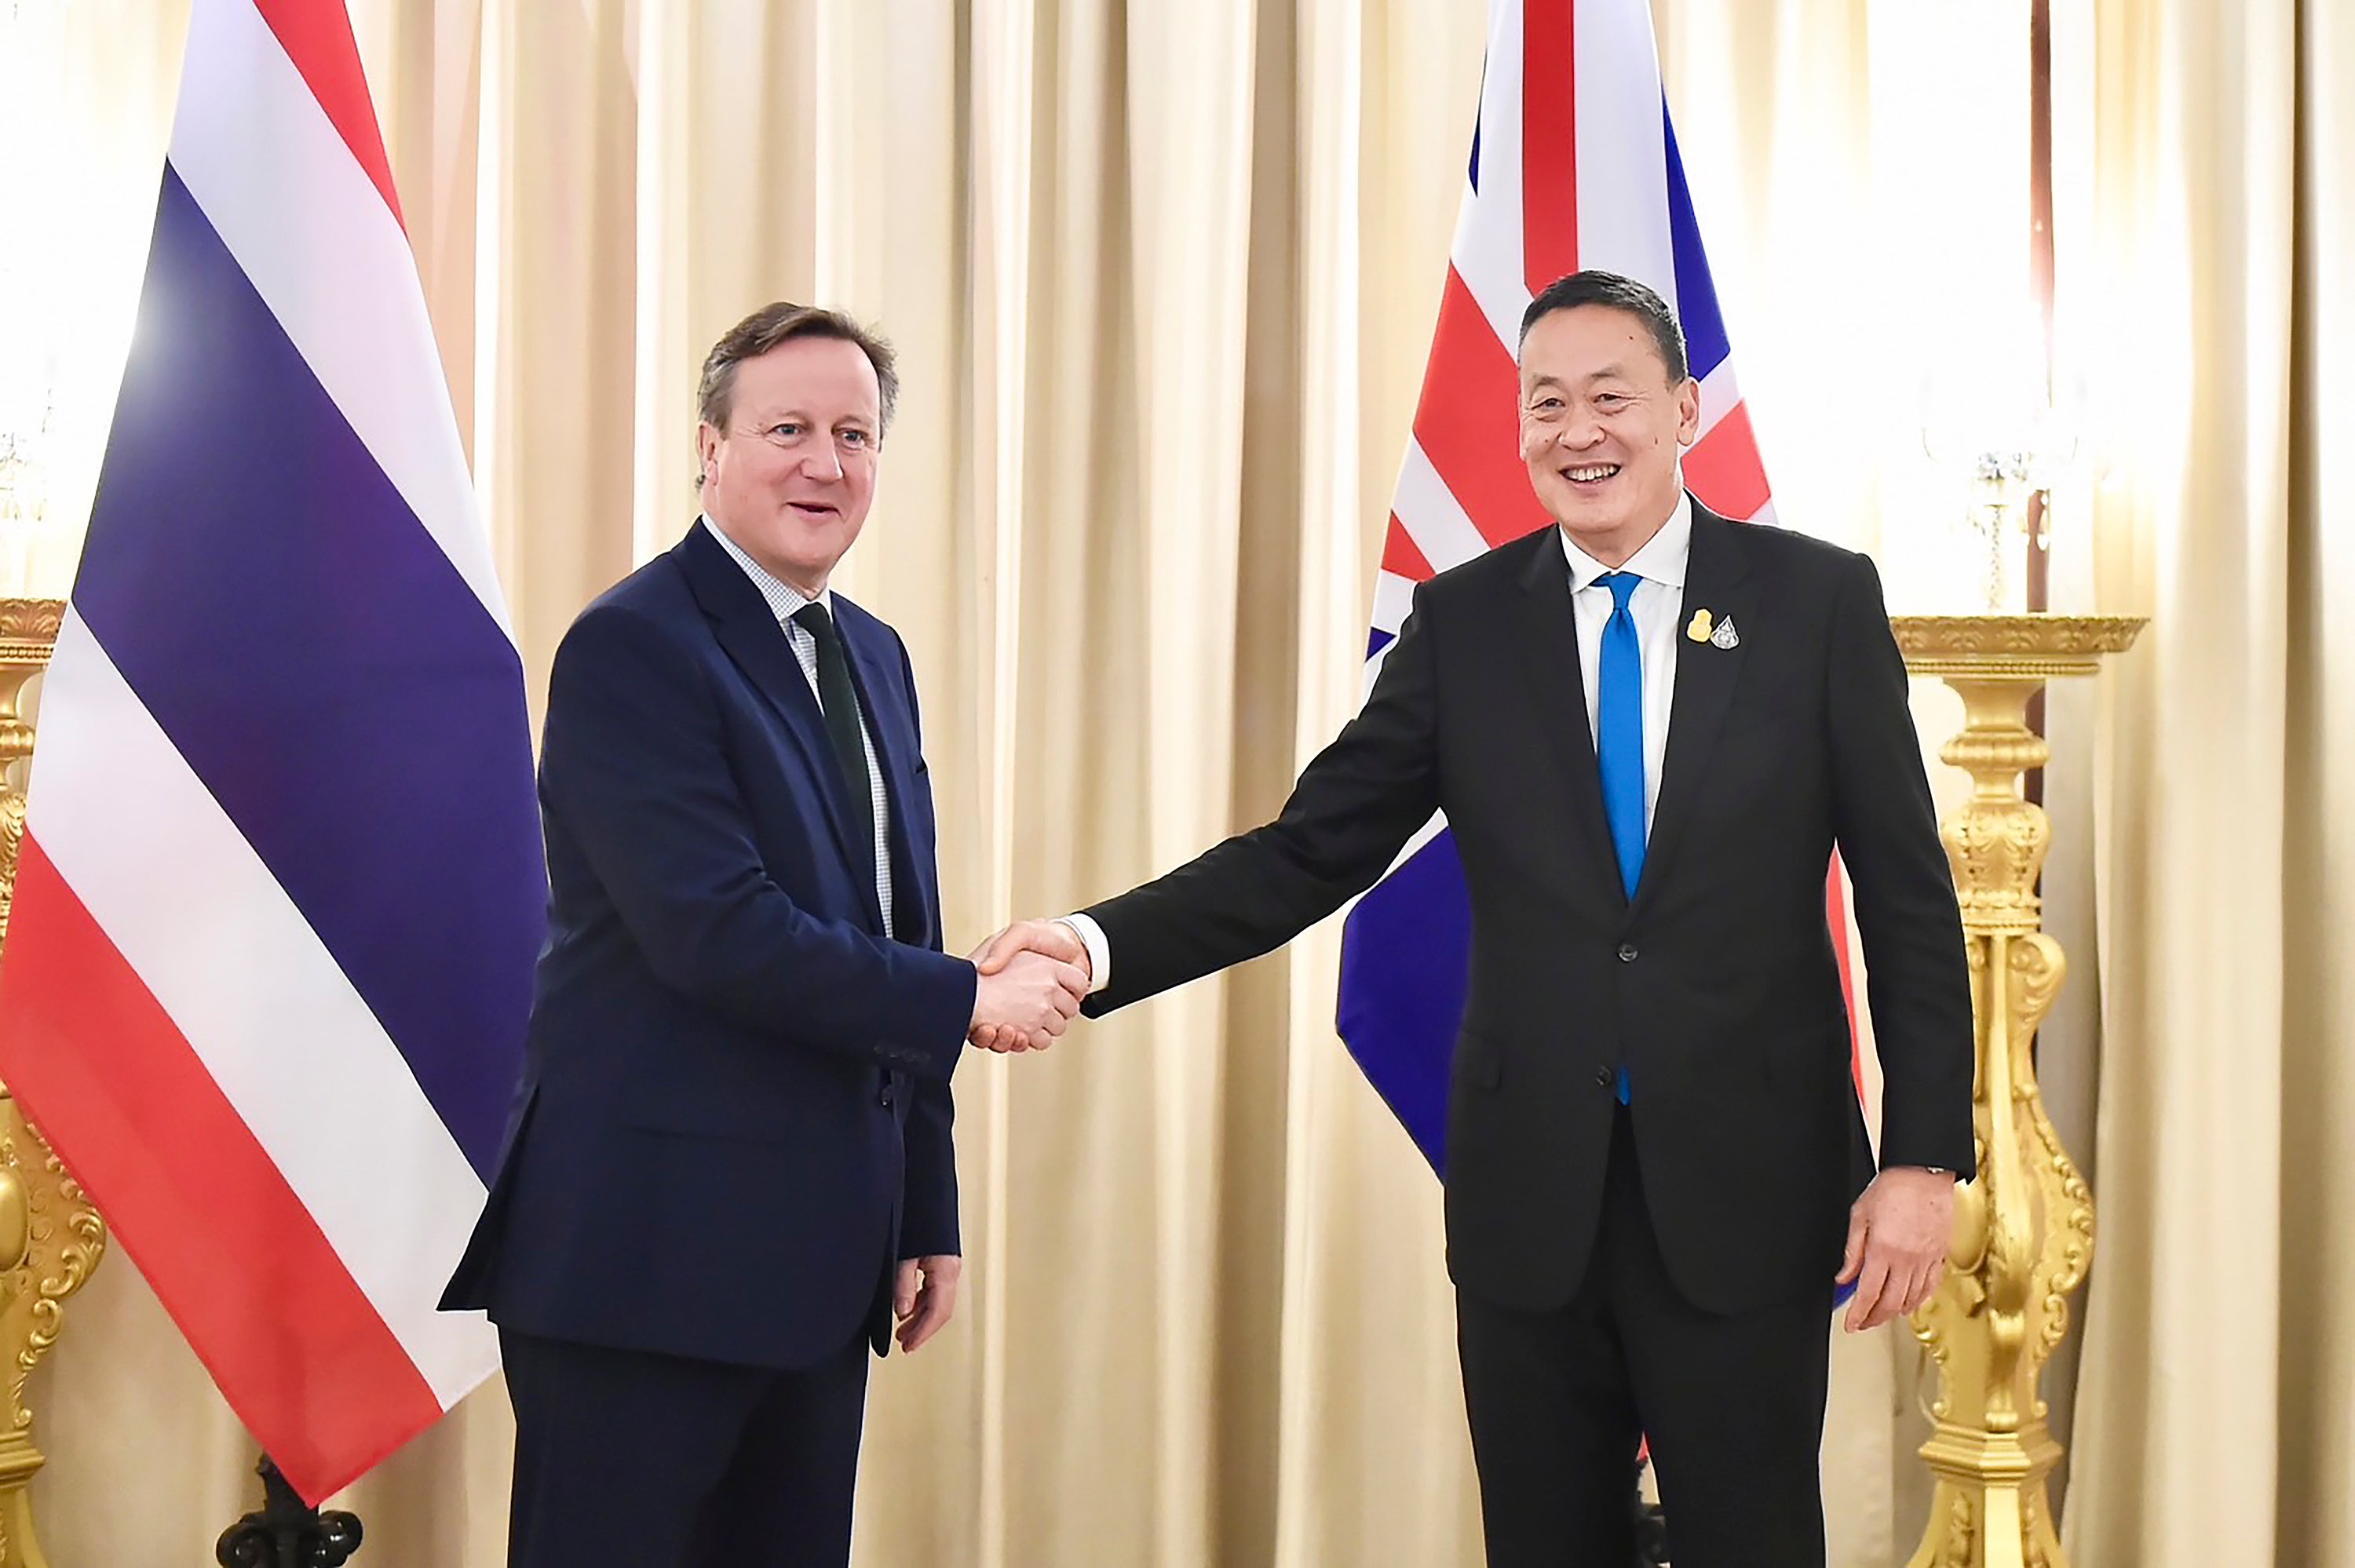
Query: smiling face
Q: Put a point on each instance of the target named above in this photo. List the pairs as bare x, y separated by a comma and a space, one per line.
791, 475
1602, 425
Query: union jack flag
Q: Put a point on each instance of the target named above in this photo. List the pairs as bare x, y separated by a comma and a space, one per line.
1575, 165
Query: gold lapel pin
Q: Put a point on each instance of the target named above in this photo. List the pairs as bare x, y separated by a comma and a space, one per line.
1699, 628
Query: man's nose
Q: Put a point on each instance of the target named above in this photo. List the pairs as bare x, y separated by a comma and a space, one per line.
822, 462
1579, 431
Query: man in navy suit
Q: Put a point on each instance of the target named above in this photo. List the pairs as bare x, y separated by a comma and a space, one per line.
730, 1167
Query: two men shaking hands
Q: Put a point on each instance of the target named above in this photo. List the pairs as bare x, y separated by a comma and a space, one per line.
1647, 727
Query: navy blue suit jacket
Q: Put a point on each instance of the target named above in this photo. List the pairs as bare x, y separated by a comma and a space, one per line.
735, 1109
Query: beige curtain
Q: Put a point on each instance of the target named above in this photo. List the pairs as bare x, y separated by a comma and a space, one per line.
1163, 277
2213, 243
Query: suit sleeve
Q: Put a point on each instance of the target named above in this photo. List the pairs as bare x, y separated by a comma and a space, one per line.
635, 769
1353, 809
1918, 969
928, 1226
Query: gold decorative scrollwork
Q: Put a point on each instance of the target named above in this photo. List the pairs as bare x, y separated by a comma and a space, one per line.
2036, 1529
35, 623
12, 845
2015, 647
71, 1265
2026, 639
1962, 1533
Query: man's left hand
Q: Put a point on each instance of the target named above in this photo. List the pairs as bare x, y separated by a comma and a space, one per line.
1897, 1235
923, 1296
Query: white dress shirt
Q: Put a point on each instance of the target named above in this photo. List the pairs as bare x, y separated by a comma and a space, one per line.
785, 601
1655, 605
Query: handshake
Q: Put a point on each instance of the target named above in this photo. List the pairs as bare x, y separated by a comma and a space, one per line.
1034, 975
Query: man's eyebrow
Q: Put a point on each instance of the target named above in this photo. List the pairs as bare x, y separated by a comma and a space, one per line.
1608, 373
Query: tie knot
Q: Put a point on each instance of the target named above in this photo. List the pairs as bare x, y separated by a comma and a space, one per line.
813, 619
1622, 586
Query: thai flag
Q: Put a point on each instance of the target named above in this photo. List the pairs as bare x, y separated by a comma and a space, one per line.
280, 885
1574, 165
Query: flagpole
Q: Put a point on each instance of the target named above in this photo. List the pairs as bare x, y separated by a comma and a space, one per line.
286, 1531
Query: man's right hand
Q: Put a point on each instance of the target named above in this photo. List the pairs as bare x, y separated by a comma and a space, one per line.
1025, 1001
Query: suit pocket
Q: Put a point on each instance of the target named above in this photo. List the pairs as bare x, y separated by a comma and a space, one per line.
1480, 1062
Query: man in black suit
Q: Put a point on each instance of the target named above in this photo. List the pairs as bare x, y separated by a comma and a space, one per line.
1647, 727
730, 1167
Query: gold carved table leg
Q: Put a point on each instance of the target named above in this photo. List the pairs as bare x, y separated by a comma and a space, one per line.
2024, 1229
50, 1237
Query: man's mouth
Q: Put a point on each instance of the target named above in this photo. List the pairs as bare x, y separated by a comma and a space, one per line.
1590, 473
813, 510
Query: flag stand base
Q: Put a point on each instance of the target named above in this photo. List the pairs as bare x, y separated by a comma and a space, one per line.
287, 1532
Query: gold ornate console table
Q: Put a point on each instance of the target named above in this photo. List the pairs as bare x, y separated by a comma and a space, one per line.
2024, 1229
50, 1237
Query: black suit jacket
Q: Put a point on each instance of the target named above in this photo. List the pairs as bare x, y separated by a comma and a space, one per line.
1717, 984
735, 1113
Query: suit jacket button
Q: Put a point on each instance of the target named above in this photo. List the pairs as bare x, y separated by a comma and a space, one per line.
1626, 952
1604, 1077
884, 1099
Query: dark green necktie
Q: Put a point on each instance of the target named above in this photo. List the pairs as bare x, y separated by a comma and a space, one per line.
835, 695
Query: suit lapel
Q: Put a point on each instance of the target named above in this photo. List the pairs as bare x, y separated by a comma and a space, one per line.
1546, 628
893, 731
1717, 578
749, 634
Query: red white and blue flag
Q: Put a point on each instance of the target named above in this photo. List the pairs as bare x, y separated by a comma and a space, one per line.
281, 888
1575, 165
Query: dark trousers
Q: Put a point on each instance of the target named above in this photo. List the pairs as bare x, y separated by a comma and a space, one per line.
1734, 1406
626, 1457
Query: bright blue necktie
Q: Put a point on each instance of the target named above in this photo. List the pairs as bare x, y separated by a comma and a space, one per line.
1619, 738
1619, 728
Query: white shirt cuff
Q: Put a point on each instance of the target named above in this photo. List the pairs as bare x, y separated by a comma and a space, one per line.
1092, 937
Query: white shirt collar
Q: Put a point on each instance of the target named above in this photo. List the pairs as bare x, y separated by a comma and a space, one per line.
1662, 559
783, 597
